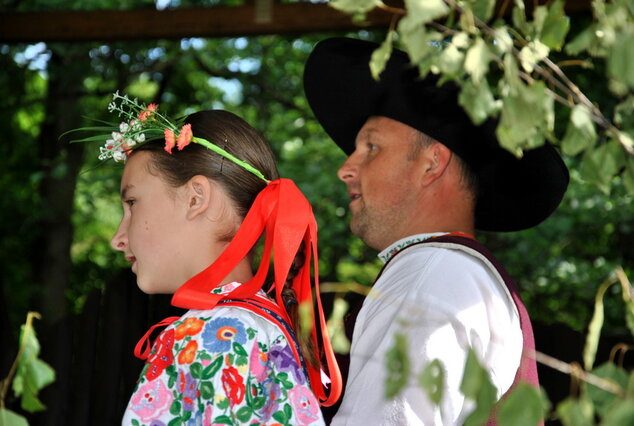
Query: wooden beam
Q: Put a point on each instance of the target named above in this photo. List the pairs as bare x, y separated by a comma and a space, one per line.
218, 21
252, 18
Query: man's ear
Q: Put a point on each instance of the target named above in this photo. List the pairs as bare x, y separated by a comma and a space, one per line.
436, 159
199, 192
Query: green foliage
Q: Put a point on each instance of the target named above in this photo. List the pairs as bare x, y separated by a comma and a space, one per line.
397, 366
28, 375
506, 70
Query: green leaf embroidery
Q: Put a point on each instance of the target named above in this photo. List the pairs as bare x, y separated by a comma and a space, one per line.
244, 414
239, 349
207, 390
175, 408
432, 380
196, 369
224, 420
397, 366
212, 368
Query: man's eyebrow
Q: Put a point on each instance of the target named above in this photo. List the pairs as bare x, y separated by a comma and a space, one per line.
124, 191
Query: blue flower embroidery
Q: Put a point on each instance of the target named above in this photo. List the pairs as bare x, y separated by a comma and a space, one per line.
220, 333
284, 360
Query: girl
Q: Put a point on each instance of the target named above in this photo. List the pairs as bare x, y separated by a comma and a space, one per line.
194, 204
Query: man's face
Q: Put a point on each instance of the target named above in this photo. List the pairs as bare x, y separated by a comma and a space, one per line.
383, 181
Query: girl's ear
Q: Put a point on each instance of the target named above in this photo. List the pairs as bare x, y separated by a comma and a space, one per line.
199, 192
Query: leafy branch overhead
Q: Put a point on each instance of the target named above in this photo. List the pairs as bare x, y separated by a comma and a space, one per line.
506, 71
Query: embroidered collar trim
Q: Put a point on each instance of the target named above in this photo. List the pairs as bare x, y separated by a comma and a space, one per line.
399, 245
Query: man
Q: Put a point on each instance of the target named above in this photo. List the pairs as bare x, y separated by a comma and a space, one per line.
421, 177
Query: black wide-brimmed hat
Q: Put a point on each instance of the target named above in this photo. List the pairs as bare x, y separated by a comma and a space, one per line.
513, 193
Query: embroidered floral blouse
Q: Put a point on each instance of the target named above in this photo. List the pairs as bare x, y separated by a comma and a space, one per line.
224, 366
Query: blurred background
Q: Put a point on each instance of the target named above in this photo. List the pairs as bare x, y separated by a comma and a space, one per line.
60, 206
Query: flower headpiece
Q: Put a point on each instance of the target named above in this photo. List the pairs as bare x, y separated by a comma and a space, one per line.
142, 124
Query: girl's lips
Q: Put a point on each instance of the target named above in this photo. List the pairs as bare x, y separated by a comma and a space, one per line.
130, 259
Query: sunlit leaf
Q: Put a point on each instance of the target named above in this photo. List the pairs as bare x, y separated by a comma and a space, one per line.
10, 418
478, 101
381, 55
503, 40
603, 399
425, 11
519, 17
576, 412
397, 366
420, 44
581, 42
594, 328
601, 164
532, 54
521, 407
477, 60
432, 380
580, 134
527, 114
628, 299
476, 385
555, 26
354, 6
450, 61
621, 59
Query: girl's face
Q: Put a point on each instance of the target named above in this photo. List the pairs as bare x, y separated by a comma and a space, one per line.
150, 233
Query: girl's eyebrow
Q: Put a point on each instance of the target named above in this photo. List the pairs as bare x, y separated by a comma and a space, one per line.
125, 190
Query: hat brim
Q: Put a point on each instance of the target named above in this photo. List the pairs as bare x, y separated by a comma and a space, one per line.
513, 194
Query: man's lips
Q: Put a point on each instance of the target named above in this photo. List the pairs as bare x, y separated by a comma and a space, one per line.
354, 196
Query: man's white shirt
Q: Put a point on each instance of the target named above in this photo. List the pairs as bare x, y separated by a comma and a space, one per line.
445, 301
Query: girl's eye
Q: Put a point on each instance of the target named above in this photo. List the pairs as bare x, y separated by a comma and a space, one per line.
130, 202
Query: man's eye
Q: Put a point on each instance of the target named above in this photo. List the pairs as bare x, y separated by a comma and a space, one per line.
372, 147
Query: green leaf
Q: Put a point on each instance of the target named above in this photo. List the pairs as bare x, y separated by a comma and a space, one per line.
477, 386
207, 390
594, 328
521, 407
599, 166
576, 412
381, 55
397, 366
580, 133
432, 380
239, 349
212, 368
281, 417
503, 40
603, 399
450, 61
478, 101
244, 414
532, 54
421, 45
197, 370
620, 59
581, 42
555, 26
527, 115
518, 17
223, 420
175, 408
258, 403
354, 6
335, 325
477, 60
175, 422
32, 374
223, 404
425, 11
483, 9
621, 413
10, 418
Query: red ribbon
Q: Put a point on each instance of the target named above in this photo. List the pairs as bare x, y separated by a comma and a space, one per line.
285, 216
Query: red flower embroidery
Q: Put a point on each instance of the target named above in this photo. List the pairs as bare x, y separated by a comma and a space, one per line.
188, 354
161, 357
190, 327
233, 384
170, 140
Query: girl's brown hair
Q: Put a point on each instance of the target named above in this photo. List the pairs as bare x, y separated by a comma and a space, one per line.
237, 137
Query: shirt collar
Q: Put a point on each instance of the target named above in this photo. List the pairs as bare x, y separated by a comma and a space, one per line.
399, 245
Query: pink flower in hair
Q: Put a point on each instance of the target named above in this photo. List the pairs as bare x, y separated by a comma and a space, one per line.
185, 136
170, 140
148, 112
